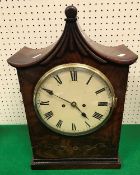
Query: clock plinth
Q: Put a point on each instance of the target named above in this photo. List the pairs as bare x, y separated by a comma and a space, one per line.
51, 149
101, 163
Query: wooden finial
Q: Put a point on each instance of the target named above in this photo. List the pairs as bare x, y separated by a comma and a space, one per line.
71, 13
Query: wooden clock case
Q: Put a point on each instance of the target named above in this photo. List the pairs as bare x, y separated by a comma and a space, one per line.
54, 151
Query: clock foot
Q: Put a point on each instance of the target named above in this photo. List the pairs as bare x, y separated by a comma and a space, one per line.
100, 163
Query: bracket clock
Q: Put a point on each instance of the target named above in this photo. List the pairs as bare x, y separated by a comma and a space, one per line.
73, 93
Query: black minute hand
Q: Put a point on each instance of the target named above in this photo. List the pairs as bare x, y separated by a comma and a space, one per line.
73, 104
50, 92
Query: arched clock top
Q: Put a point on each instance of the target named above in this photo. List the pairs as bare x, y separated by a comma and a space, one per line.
73, 39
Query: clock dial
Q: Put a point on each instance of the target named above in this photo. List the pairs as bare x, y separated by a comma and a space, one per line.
74, 99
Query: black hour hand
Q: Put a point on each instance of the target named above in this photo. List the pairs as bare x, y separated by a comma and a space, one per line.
84, 115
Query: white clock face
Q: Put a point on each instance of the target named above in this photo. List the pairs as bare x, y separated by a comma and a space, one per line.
74, 99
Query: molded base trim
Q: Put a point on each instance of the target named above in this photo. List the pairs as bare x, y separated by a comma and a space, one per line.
100, 163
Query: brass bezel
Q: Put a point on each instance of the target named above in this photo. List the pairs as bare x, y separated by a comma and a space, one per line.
75, 65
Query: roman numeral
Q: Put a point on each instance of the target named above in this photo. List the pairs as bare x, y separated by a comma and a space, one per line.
87, 124
102, 103
100, 90
89, 79
44, 103
58, 125
97, 115
73, 126
57, 78
48, 115
73, 75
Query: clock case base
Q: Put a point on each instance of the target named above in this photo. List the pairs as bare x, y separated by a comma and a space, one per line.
101, 163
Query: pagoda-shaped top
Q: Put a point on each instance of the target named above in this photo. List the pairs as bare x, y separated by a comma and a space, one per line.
71, 40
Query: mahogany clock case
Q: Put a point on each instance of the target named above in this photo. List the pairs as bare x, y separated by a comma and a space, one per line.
55, 151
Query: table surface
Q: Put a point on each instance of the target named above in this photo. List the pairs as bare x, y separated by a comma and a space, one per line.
15, 153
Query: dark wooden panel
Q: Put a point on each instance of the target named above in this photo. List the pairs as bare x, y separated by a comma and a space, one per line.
103, 143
